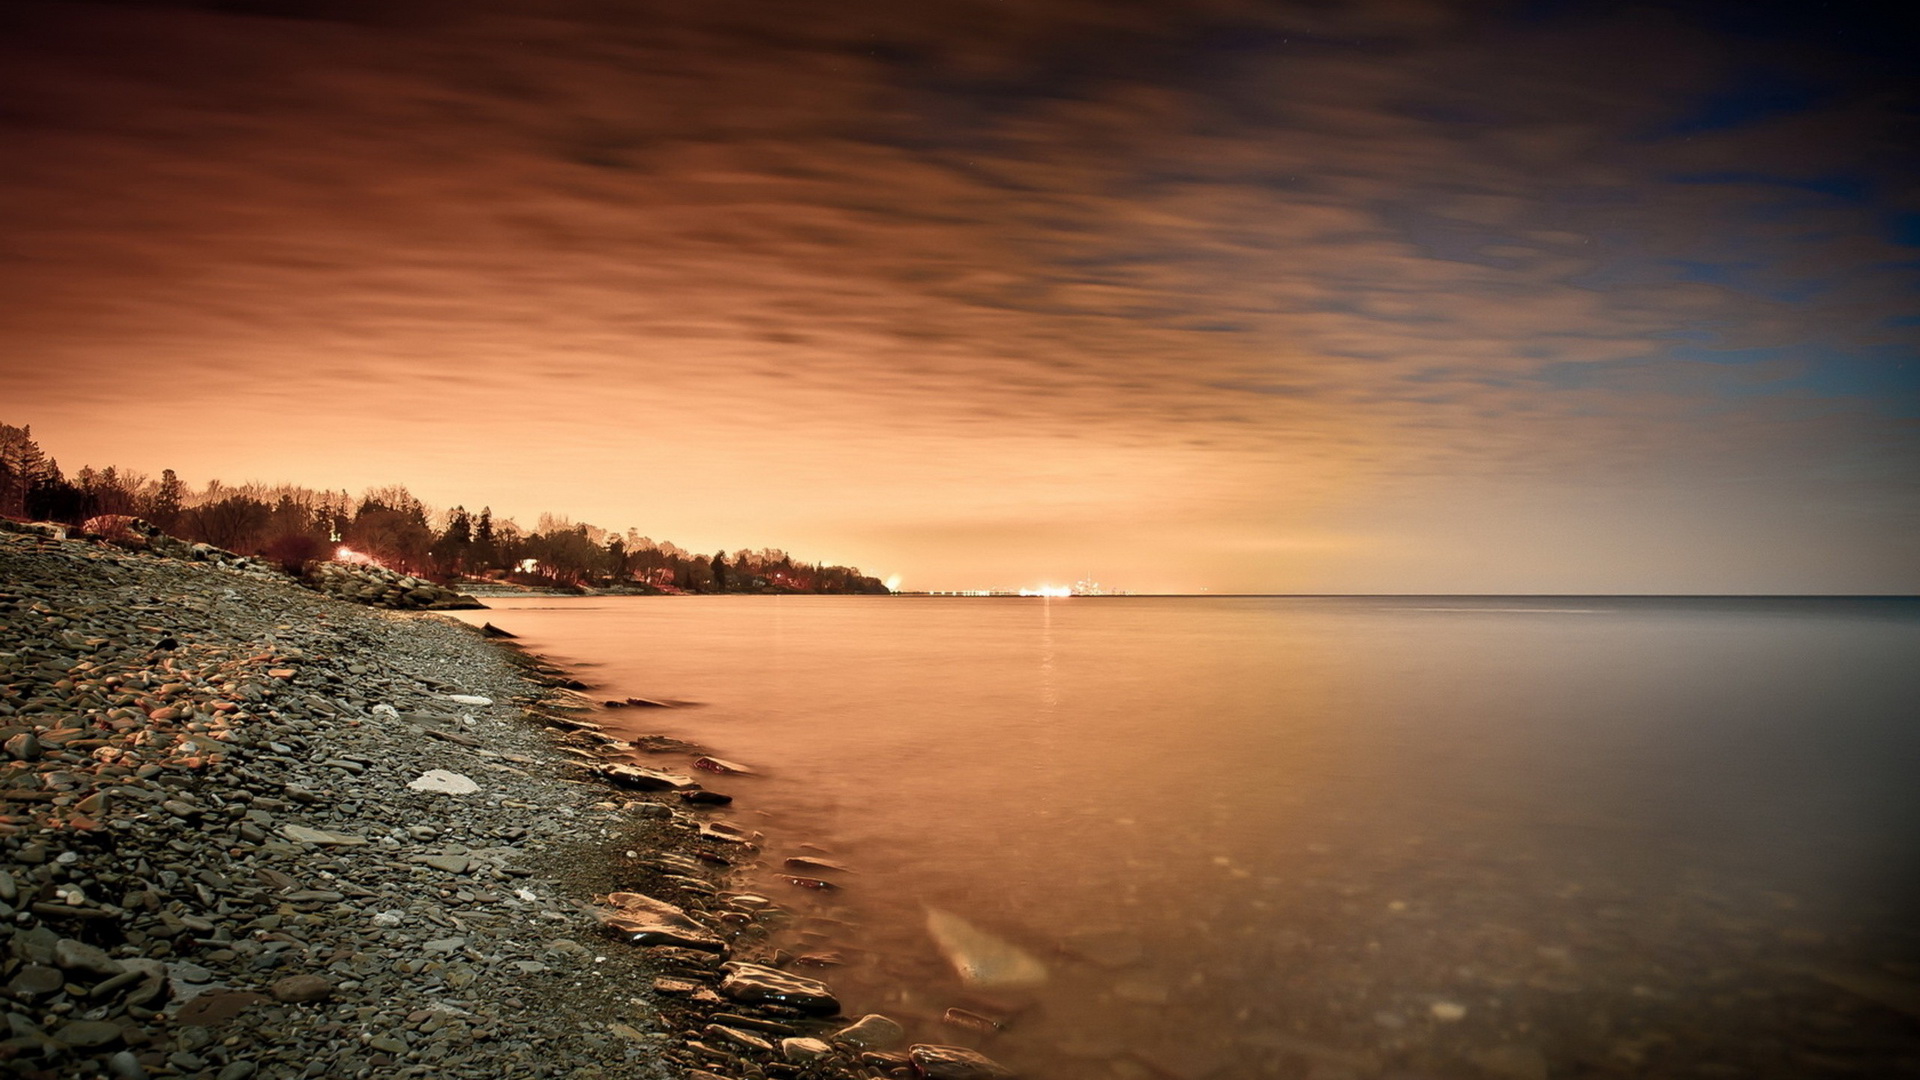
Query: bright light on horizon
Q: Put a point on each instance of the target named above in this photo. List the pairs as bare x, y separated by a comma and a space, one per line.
1048, 590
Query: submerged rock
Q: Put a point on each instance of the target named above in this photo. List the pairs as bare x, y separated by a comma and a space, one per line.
647, 921
871, 1032
981, 959
954, 1063
753, 984
709, 763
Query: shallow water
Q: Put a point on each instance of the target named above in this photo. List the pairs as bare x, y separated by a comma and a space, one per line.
1325, 837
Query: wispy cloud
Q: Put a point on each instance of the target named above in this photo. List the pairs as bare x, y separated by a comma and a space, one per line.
1399, 240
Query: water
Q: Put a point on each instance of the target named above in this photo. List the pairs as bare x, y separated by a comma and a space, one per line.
1326, 837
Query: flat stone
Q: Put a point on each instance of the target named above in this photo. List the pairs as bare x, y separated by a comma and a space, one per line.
452, 864
808, 862
980, 958
303, 834
647, 921
954, 1063
37, 980
803, 1050
744, 1039
753, 984
80, 956
871, 1032
440, 780
296, 989
469, 699
709, 763
635, 778
90, 1034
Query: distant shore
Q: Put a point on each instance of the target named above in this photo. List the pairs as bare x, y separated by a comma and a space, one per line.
249, 830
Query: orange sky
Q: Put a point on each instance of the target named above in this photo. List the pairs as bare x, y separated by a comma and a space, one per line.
1407, 297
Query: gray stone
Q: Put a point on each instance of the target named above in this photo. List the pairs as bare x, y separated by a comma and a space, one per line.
90, 1034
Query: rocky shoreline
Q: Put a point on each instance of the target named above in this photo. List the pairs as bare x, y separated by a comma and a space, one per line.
247, 830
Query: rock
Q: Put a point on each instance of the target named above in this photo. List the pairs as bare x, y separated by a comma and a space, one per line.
79, 956
24, 747
981, 959
639, 779
1448, 1012
237, 1070
298, 989
954, 1063
442, 781
452, 864
492, 631
709, 763
743, 1039
125, 1066
803, 1050
808, 862
647, 921
37, 980
469, 699
305, 835
871, 1032
703, 797
753, 984
90, 1034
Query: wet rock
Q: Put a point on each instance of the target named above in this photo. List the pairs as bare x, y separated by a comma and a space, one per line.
709, 763
753, 984
981, 959
705, 798
808, 862
743, 1039
967, 1020
638, 779
492, 631
954, 1063
871, 1032
646, 921
801, 1050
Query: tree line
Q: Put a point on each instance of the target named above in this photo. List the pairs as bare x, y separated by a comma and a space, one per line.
296, 526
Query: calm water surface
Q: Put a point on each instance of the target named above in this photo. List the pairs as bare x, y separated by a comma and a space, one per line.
1326, 837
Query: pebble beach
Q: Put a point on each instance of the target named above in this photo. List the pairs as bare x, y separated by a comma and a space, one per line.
248, 829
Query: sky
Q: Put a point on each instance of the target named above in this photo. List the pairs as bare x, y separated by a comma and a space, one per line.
1391, 296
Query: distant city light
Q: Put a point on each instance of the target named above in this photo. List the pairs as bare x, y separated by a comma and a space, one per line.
1049, 590
351, 557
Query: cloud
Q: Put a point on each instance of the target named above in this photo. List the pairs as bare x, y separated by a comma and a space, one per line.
1410, 239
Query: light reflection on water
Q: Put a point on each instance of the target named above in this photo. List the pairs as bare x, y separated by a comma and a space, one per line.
1268, 836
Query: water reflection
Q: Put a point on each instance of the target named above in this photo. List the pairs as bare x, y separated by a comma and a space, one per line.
1327, 837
